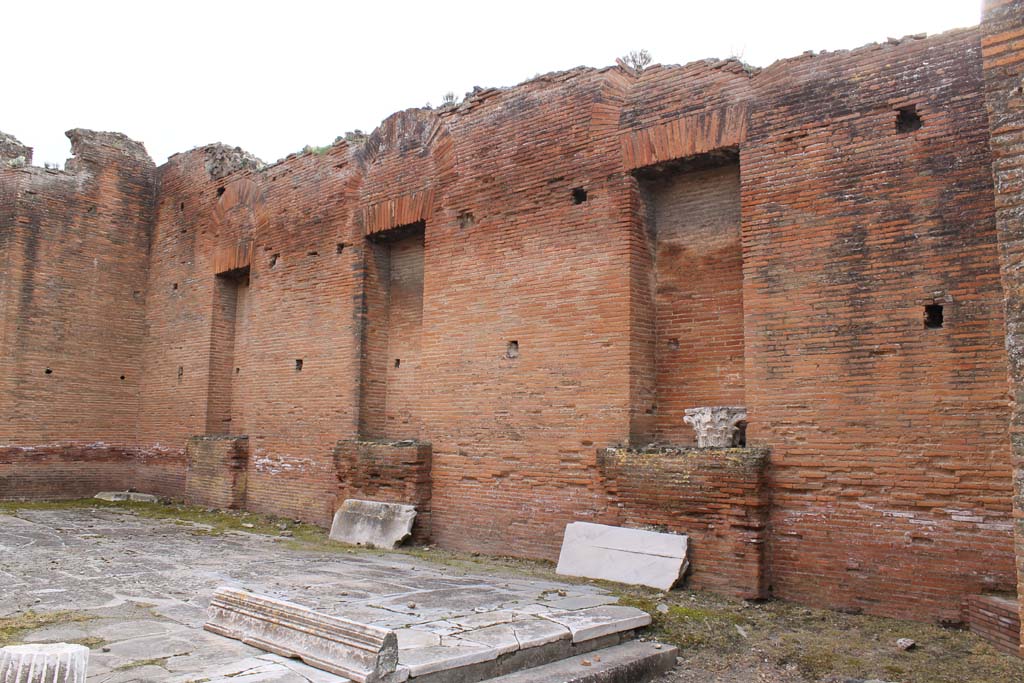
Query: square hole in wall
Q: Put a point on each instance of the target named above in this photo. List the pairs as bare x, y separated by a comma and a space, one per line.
579, 195
398, 362
933, 317
298, 364
512, 349
220, 191
274, 259
907, 119
339, 248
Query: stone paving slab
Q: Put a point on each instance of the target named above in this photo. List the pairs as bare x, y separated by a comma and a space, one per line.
148, 584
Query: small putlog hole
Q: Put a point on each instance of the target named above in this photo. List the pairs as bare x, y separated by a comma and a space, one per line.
579, 195
908, 120
933, 317
298, 364
512, 349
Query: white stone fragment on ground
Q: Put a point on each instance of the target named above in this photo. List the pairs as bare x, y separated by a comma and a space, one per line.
121, 496
370, 523
360, 652
44, 663
906, 644
633, 556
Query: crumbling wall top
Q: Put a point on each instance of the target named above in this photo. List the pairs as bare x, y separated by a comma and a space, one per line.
12, 152
223, 160
90, 144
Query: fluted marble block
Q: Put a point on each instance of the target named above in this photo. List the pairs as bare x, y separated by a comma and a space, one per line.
43, 663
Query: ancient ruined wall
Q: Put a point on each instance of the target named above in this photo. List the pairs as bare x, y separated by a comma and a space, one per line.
557, 269
291, 383
75, 246
890, 463
1004, 79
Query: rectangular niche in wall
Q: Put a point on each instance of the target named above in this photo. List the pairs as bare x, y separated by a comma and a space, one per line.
229, 322
692, 212
392, 332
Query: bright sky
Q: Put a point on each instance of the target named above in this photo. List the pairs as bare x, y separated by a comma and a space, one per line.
272, 77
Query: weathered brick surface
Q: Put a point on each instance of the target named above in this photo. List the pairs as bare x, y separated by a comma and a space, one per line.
388, 472
81, 471
718, 497
996, 619
74, 255
1003, 53
558, 215
216, 475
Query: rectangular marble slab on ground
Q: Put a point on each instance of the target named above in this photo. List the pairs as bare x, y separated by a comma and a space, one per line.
361, 652
372, 524
121, 496
633, 556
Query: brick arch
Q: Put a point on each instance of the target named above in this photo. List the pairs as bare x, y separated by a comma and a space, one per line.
238, 216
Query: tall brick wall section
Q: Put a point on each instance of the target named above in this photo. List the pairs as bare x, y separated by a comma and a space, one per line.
76, 245
890, 471
1003, 51
718, 497
890, 464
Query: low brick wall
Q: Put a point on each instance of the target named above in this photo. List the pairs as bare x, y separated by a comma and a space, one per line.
217, 471
996, 619
389, 472
69, 471
717, 496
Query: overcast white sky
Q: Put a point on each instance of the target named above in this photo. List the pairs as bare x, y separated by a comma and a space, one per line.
272, 77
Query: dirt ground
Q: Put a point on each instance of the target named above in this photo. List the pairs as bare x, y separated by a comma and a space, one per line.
721, 640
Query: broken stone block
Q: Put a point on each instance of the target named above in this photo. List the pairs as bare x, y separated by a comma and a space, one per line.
373, 524
633, 556
360, 652
121, 496
44, 663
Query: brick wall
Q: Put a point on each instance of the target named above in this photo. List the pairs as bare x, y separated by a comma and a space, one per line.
996, 619
718, 497
698, 299
1004, 74
81, 471
74, 245
890, 463
890, 473
217, 467
388, 472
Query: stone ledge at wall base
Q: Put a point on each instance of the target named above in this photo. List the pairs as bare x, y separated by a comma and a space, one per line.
216, 475
373, 524
360, 652
44, 663
717, 426
631, 556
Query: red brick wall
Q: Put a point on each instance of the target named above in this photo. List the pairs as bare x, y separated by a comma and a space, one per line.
890, 463
216, 475
1004, 74
890, 473
698, 299
996, 619
82, 471
74, 249
717, 497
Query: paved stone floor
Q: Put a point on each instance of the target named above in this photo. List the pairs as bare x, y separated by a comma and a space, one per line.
147, 583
